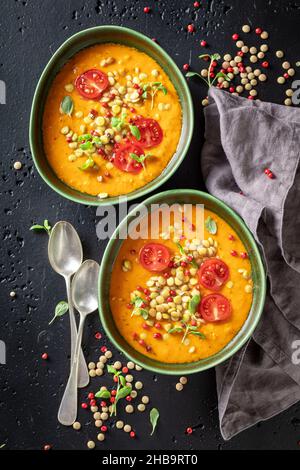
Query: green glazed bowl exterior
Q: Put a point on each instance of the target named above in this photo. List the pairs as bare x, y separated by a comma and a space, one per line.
74, 44
258, 275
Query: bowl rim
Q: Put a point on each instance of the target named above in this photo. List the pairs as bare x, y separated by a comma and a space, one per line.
262, 275
160, 179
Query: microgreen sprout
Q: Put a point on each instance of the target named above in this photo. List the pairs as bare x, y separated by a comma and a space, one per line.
39, 228
208, 81
151, 89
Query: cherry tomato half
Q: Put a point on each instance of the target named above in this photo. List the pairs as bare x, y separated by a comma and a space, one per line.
91, 84
154, 257
215, 307
124, 161
150, 130
213, 274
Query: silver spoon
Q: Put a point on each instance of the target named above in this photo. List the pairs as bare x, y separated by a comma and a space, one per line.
65, 256
85, 298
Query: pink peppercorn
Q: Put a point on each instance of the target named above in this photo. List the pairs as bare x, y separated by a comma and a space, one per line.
189, 430
203, 44
265, 64
244, 255
147, 9
196, 4
258, 30
233, 253
103, 349
84, 406
157, 336
186, 67
103, 428
191, 28
98, 335
45, 356
132, 434
235, 36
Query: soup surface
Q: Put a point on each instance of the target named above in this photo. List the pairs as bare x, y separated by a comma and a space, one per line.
112, 120
180, 300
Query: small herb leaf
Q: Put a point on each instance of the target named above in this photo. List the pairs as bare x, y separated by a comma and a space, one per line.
193, 304
180, 248
67, 105
135, 131
102, 394
123, 392
154, 416
38, 228
87, 164
111, 370
211, 225
192, 74
61, 308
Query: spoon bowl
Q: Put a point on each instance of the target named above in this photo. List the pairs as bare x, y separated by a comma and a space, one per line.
85, 289
64, 249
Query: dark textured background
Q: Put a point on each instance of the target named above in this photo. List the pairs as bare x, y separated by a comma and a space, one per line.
30, 389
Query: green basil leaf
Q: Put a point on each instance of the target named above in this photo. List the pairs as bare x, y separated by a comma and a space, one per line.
102, 394
211, 225
61, 308
145, 95
193, 304
154, 416
135, 131
67, 105
123, 392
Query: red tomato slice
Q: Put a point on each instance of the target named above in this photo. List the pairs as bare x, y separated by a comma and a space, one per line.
213, 274
91, 83
154, 257
215, 307
124, 161
150, 130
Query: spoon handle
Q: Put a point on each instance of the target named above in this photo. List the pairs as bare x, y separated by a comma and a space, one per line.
67, 412
83, 375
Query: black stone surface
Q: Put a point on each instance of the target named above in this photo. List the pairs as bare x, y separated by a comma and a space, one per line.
30, 389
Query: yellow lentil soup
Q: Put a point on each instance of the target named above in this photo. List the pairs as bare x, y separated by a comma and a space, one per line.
112, 121
179, 300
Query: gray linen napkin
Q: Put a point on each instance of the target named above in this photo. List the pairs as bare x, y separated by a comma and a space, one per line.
242, 139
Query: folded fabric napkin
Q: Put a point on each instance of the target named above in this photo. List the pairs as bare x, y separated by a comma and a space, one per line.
243, 138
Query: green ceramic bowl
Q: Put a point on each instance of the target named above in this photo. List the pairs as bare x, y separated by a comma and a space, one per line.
74, 44
259, 279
